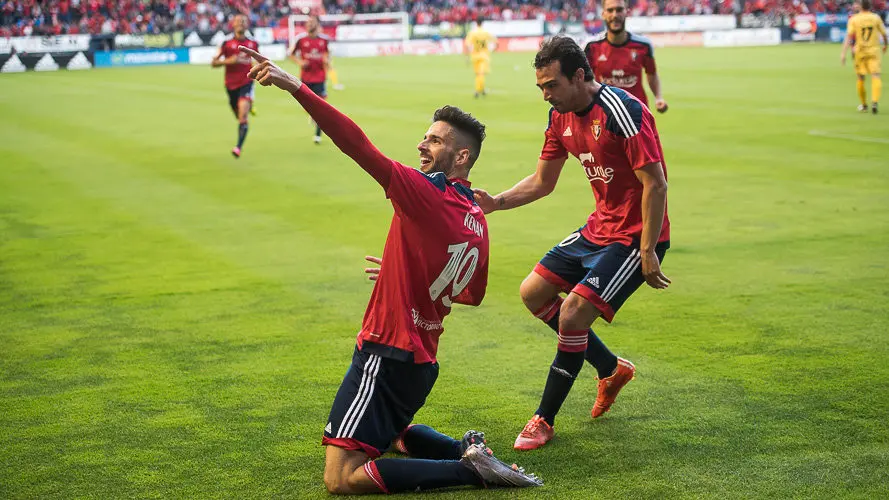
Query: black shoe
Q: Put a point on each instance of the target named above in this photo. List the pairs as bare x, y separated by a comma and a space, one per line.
471, 438
873, 108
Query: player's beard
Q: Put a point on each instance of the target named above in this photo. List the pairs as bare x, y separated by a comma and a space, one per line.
618, 30
443, 163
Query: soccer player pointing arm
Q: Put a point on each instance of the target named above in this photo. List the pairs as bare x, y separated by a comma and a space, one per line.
436, 255
613, 136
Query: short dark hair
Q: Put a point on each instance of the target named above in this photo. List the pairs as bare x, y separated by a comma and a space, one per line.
479, 21
570, 56
471, 131
865, 4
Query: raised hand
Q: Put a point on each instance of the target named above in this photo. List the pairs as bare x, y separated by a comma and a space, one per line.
267, 73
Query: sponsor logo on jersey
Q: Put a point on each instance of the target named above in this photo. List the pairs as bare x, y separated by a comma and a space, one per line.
593, 171
423, 323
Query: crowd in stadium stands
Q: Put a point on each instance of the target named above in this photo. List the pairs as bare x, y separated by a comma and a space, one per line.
53, 17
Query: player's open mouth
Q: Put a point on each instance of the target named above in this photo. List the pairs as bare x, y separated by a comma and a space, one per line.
425, 161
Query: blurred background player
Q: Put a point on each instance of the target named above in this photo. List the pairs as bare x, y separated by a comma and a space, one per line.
478, 44
436, 254
618, 56
237, 83
867, 30
311, 52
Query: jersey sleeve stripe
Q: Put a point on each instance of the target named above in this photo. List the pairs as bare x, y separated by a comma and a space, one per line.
619, 114
619, 109
610, 101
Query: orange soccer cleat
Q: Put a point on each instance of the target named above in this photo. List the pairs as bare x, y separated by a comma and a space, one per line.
610, 386
535, 434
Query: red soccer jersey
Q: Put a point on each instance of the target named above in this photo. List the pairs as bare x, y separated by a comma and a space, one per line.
436, 252
615, 137
236, 74
622, 65
312, 50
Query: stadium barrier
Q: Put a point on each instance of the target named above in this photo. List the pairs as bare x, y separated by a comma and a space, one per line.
742, 37
672, 24
374, 38
146, 57
44, 44
47, 61
203, 55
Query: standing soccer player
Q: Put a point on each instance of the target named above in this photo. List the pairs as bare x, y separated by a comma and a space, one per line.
618, 57
479, 43
867, 29
621, 245
238, 85
311, 53
436, 254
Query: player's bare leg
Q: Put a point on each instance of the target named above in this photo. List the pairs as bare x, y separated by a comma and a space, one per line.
344, 472
862, 94
244, 105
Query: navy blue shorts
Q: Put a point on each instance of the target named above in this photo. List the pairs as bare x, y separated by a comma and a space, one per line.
245, 92
377, 401
604, 275
320, 89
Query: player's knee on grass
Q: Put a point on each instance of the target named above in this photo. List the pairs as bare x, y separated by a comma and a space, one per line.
537, 292
577, 313
347, 480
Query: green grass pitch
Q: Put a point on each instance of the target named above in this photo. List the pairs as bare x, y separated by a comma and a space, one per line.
174, 323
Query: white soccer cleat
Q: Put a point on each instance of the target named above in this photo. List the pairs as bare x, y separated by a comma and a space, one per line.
862, 108
495, 472
317, 139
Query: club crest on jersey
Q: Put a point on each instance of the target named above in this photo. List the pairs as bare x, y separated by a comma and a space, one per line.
633, 54
597, 129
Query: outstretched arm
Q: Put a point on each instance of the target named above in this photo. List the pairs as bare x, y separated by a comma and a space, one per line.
347, 136
531, 188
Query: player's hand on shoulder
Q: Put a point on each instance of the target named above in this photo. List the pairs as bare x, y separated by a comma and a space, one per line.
485, 201
267, 73
661, 106
373, 272
651, 271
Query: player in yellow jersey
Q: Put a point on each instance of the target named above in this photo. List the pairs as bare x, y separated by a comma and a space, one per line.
478, 44
868, 31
